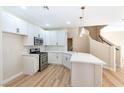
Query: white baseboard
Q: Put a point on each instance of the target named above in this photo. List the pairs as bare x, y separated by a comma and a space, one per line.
11, 78
54, 64
119, 66
108, 68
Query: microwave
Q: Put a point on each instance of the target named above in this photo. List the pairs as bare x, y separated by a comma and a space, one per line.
38, 41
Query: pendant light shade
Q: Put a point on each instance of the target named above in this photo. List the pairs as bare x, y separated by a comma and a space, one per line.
82, 23
82, 32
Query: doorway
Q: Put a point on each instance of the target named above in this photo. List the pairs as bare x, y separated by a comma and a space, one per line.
70, 44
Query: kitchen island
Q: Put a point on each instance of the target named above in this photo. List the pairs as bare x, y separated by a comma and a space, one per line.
86, 70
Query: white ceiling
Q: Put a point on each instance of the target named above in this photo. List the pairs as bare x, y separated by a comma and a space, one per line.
57, 16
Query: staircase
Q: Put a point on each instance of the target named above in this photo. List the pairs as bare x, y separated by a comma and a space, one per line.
94, 33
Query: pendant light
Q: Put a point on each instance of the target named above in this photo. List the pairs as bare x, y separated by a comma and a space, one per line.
82, 23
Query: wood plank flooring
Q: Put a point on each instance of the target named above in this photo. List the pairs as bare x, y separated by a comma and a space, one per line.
113, 79
53, 76
59, 76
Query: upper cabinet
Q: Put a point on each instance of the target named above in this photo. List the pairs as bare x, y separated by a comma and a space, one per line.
50, 38
13, 24
61, 38
32, 31
55, 37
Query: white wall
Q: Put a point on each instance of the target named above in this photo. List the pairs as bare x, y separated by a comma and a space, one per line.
12, 54
1, 62
80, 44
116, 37
104, 52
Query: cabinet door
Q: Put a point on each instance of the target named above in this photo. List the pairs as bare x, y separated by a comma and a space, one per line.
29, 40
13, 24
8, 22
32, 31
53, 38
22, 26
66, 61
59, 58
41, 32
47, 38
43, 36
61, 38
28, 65
52, 58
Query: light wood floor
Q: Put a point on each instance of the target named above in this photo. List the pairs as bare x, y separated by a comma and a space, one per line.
113, 79
53, 76
59, 76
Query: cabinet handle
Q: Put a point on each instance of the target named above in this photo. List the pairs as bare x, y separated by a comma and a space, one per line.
56, 57
66, 58
17, 30
39, 35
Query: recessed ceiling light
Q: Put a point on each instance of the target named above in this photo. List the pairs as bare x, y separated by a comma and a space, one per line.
47, 24
23, 7
68, 22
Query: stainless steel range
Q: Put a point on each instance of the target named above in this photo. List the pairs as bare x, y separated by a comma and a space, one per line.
43, 58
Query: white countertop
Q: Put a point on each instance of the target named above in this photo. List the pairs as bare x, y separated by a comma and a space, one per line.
67, 52
86, 58
26, 54
77, 57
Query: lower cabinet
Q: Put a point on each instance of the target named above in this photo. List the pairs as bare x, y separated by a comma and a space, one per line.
30, 64
54, 58
66, 60
59, 58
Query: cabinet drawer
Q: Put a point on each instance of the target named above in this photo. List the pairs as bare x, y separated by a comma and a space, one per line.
52, 56
30, 64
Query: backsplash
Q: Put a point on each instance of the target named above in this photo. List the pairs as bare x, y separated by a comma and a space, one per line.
55, 48
27, 48
44, 48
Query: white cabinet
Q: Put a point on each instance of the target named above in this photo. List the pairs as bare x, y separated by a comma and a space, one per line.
55, 58
32, 31
30, 64
29, 40
12, 24
41, 32
55, 38
50, 38
59, 58
66, 60
61, 38
47, 38
86, 75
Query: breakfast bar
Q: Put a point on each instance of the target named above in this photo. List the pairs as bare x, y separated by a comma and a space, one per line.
86, 70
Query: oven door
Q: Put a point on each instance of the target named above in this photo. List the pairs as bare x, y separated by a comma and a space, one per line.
43, 61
